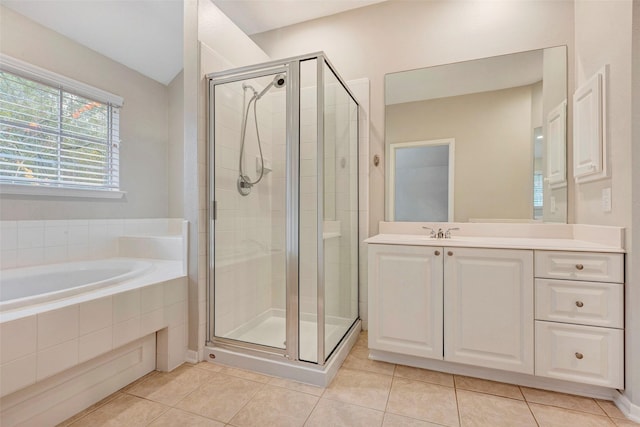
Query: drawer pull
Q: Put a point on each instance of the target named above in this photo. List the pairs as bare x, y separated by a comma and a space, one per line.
437, 253
450, 253
579, 303
579, 267
579, 356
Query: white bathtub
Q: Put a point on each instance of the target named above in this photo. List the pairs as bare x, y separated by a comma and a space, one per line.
20, 287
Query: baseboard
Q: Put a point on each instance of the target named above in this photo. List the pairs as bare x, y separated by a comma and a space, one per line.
629, 409
526, 380
194, 356
57, 398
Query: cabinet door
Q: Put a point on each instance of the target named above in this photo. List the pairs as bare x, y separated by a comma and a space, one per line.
488, 317
405, 299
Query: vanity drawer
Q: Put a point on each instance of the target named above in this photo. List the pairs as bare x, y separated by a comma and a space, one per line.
582, 303
591, 266
585, 354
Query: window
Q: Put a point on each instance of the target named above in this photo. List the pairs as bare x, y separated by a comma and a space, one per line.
56, 132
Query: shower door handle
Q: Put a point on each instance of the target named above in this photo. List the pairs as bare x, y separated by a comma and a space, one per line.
214, 210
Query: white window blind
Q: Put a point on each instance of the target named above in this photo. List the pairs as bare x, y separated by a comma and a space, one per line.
53, 135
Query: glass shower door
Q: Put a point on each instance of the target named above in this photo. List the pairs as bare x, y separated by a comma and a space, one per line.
248, 191
340, 213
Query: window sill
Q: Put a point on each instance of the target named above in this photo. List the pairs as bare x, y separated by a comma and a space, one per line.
40, 191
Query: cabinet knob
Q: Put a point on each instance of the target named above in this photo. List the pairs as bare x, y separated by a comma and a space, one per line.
579, 356
450, 253
579, 303
579, 266
437, 253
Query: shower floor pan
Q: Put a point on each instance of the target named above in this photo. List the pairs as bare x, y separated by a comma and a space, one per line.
269, 329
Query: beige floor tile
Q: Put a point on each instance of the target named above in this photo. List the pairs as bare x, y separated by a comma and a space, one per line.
562, 400
393, 420
209, 366
489, 387
244, 374
297, 386
91, 408
363, 339
425, 375
550, 416
424, 401
176, 417
610, 409
625, 423
125, 410
358, 358
170, 387
220, 398
339, 414
485, 410
139, 380
360, 388
275, 406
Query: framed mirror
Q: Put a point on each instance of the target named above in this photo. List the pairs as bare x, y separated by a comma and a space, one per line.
506, 117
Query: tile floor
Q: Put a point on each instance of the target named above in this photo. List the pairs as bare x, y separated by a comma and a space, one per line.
364, 393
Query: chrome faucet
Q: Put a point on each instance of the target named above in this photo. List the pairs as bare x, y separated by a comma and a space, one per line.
432, 232
447, 234
440, 234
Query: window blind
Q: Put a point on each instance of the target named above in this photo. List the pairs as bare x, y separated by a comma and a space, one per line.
51, 135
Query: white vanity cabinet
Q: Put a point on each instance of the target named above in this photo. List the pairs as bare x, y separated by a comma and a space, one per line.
579, 317
486, 294
488, 308
405, 299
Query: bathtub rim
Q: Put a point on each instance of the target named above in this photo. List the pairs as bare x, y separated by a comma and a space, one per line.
162, 271
16, 303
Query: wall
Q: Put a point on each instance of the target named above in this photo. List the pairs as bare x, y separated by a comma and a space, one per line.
497, 125
143, 129
633, 258
400, 35
603, 35
176, 146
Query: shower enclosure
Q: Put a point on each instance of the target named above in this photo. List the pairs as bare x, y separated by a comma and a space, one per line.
283, 197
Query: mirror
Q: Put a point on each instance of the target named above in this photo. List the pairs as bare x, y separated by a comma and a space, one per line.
506, 117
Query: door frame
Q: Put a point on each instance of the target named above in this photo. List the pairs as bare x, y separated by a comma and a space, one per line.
391, 156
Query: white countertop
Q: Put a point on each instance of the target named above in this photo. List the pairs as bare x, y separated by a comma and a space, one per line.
494, 242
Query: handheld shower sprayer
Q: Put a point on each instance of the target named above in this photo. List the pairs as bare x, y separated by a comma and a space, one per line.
244, 182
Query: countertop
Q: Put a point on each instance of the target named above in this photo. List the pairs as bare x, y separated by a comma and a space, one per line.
494, 242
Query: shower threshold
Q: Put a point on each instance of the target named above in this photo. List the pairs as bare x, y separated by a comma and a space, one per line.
268, 329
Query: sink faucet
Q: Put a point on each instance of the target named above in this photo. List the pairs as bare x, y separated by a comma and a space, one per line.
447, 234
432, 232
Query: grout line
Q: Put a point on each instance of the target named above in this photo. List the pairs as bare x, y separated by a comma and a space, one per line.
529, 407
455, 390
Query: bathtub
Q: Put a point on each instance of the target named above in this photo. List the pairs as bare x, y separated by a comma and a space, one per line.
21, 287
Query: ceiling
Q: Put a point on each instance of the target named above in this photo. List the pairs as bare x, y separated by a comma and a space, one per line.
257, 16
146, 35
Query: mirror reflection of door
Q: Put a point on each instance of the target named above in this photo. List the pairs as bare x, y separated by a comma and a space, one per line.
421, 184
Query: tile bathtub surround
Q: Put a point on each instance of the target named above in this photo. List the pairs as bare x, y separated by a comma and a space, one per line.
214, 395
28, 243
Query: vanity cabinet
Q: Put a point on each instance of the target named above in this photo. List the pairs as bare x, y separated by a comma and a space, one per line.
488, 308
486, 294
579, 317
405, 299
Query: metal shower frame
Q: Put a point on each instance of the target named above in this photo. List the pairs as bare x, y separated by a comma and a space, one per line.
291, 66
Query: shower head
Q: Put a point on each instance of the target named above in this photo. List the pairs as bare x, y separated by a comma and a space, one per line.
278, 81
